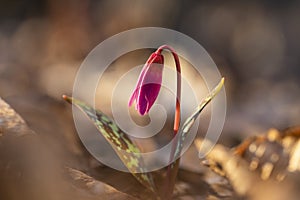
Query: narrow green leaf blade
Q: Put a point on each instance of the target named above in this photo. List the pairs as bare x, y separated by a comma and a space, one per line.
119, 141
191, 120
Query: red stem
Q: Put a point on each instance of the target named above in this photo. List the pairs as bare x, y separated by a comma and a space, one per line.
178, 90
173, 167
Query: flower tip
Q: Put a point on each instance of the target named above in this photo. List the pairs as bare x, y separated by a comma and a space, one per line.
223, 80
67, 98
142, 113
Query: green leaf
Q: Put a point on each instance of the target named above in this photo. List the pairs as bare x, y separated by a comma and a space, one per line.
191, 120
178, 142
119, 141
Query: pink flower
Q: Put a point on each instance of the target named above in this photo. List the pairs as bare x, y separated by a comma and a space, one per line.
149, 83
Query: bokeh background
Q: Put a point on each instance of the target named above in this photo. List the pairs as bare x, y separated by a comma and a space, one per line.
255, 45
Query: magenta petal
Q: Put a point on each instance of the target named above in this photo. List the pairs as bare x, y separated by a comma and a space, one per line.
152, 96
138, 85
148, 85
144, 71
133, 97
143, 105
147, 96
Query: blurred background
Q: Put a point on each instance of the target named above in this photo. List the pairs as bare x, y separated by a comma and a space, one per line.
255, 45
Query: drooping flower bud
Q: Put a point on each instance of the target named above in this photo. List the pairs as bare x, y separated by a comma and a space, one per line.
149, 84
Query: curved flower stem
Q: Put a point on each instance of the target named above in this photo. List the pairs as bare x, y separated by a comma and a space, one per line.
173, 167
178, 90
